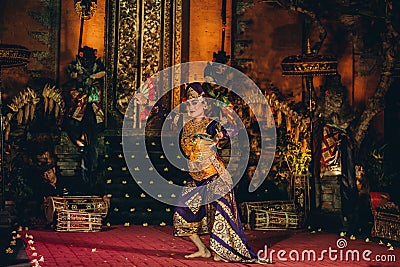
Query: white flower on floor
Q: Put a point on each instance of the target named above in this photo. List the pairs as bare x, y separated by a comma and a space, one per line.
30, 236
367, 240
35, 263
342, 234
30, 242
388, 244
380, 242
41, 259
94, 250
391, 248
34, 254
32, 248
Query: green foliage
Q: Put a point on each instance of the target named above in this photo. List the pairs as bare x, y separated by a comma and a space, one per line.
377, 170
17, 187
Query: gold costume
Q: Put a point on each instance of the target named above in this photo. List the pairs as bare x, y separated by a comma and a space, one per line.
211, 184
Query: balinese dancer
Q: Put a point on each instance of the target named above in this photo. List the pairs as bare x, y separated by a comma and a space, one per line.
200, 139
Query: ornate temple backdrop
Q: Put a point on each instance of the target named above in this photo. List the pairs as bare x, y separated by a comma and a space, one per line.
260, 35
137, 38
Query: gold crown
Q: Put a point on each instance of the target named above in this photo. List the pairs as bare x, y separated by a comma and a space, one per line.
191, 93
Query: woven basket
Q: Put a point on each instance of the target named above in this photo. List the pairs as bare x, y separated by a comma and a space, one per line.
76, 221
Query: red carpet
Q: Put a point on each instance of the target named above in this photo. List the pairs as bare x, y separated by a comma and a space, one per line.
155, 246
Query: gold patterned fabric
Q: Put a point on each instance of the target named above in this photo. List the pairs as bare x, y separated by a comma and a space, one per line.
185, 228
211, 182
196, 145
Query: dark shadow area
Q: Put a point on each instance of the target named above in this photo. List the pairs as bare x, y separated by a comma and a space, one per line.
12, 253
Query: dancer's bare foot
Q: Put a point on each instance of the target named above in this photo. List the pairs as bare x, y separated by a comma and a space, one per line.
218, 258
201, 253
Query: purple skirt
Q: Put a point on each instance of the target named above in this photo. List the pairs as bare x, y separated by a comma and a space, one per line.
219, 218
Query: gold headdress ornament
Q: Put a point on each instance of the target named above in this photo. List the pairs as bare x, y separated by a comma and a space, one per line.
191, 93
194, 90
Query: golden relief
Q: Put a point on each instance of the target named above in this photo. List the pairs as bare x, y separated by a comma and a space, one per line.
151, 40
143, 37
128, 34
177, 50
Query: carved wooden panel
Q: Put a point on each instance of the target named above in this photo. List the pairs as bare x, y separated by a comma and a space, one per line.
143, 37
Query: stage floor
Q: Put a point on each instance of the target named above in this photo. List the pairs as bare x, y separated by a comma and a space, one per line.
155, 246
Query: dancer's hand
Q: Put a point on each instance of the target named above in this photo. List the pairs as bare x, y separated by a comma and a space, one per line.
218, 136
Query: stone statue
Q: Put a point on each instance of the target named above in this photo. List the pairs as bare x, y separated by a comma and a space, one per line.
334, 115
333, 147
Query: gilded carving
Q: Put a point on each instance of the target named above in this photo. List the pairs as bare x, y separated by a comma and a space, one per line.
148, 39
167, 35
177, 51
151, 38
127, 65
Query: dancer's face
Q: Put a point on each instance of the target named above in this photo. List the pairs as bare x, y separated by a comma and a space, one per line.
195, 107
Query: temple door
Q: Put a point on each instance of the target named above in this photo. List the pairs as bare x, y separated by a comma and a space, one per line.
142, 38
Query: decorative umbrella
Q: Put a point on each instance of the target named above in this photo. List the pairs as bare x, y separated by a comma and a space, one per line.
309, 65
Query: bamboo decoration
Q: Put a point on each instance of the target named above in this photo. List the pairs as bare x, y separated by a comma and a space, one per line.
279, 118
24, 105
6, 125
296, 134
288, 124
53, 101
294, 121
